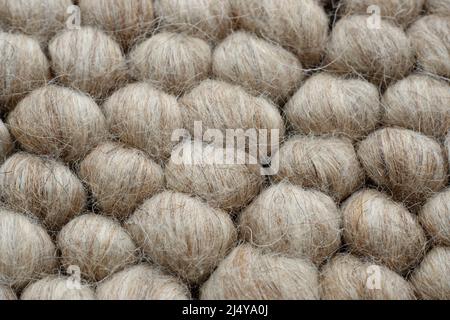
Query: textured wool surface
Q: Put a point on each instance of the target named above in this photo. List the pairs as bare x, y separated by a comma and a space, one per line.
57, 288
435, 218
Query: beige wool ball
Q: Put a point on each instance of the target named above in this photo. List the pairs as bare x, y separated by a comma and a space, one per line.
328, 164
23, 68
41, 19
6, 143
120, 178
327, 104
440, 7
127, 21
142, 282
89, 60
26, 250
98, 245
299, 26
347, 277
419, 103
431, 41
206, 19
145, 118
398, 11
172, 62
431, 277
293, 221
57, 288
379, 54
209, 172
42, 187
59, 122
259, 66
377, 227
435, 217
408, 164
249, 274
182, 234
223, 106
6, 294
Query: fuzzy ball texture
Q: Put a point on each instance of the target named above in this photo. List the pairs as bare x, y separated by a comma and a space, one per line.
327, 104
299, 26
172, 62
7, 294
182, 234
435, 217
293, 221
6, 143
408, 164
430, 36
249, 274
57, 288
23, 68
377, 227
42, 187
127, 21
98, 245
259, 66
347, 277
89, 60
219, 175
120, 178
420, 103
142, 282
207, 19
378, 54
440, 7
26, 250
328, 164
59, 122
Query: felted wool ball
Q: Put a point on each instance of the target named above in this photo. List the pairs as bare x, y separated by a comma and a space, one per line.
399, 11
59, 122
379, 54
6, 143
127, 21
440, 7
145, 118
172, 62
377, 227
57, 288
299, 26
408, 164
431, 41
26, 250
435, 217
42, 187
89, 60
206, 19
259, 66
120, 178
209, 172
328, 164
419, 103
347, 277
142, 282
98, 245
249, 274
223, 106
327, 104
6, 293
182, 234
41, 19
431, 277
293, 221
23, 68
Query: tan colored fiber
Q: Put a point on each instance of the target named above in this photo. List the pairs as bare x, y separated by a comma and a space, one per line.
182, 234
440, 7
57, 288
142, 282
249, 274
6, 143
6, 293
435, 218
